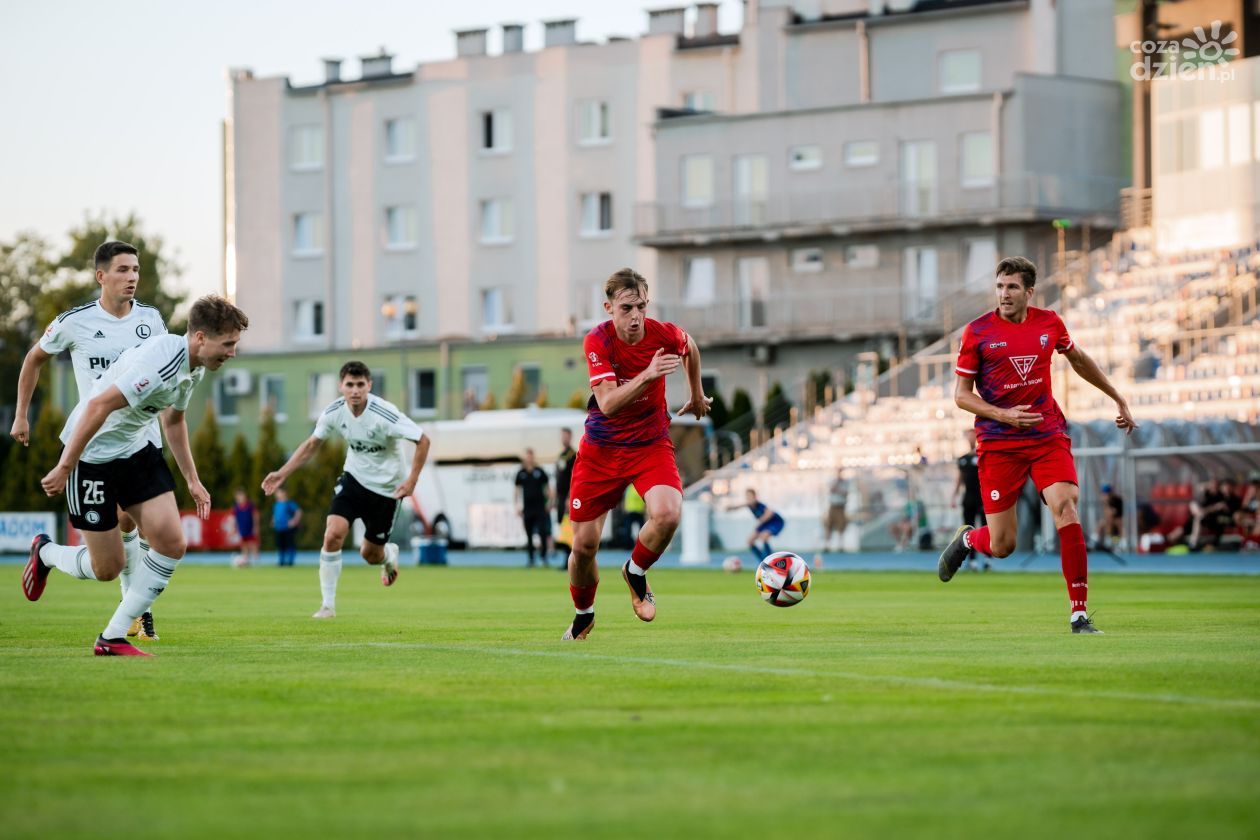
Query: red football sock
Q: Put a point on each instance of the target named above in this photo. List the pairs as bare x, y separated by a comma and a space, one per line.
583, 596
1075, 564
643, 556
978, 538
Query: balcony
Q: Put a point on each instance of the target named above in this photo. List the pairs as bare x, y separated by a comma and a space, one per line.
889, 205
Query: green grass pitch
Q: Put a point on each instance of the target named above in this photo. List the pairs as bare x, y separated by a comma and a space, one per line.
886, 705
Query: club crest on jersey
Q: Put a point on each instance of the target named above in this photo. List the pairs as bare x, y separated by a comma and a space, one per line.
1023, 364
144, 331
1045, 339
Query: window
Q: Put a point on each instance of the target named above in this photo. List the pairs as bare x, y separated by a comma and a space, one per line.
754, 291
400, 140
308, 319
698, 100
919, 282
807, 260
861, 153
532, 375
401, 227
752, 188
862, 256
596, 214
378, 383
918, 178
321, 390
1239, 134
697, 177
272, 396
594, 127
977, 159
496, 130
700, 278
401, 313
804, 158
495, 313
224, 403
981, 262
496, 221
423, 393
474, 384
1212, 139
306, 148
959, 71
595, 304
308, 234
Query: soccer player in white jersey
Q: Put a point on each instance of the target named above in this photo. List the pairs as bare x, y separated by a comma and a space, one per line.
96, 334
373, 480
110, 462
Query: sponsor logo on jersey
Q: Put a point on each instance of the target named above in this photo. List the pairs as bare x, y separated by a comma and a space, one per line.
369, 448
997, 344
97, 362
99, 334
1045, 339
1022, 365
141, 385
144, 331
593, 357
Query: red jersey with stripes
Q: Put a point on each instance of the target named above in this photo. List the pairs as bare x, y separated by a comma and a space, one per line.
608, 358
1010, 364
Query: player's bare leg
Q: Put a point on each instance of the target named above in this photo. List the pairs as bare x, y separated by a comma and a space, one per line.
385, 556
664, 510
584, 577
1061, 497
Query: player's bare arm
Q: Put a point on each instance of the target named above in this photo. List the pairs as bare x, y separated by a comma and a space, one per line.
176, 427
94, 415
612, 398
967, 399
697, 404
417, 463
299, 457
32, 365
1086, 368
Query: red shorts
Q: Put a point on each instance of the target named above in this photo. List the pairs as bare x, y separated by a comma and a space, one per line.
1003, 472
250, 540
601, 475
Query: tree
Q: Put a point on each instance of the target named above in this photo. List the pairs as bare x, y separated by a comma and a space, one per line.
719, 414
516, 391
820, 381
240, 464
211, 460
77, 275
26, 270
777, 410
578, 398
26, 465
312, 486
742, 418
489, 403
541, 399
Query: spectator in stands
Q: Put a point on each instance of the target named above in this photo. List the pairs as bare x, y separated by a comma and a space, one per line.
1249, 518
1209, 516
246, 526
837, 510
1111, 525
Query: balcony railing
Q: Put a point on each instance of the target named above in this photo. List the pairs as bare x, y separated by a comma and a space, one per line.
889, 203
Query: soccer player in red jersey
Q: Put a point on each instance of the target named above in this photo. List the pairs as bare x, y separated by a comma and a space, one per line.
1005, 356
627, 442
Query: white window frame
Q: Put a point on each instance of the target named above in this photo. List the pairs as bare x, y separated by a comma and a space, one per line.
503, 322
312, 222
594, 305
395, 310
592, 206
264, 384
952, 61
861, 153
402, 227
864, 255
698, 100
701, 162
306, 148
594, 122
220, 396
305, 320
699, 285
321, 390
808, 260
496, 221
400, 140
415, 409
500, 131
805, 158
977, 178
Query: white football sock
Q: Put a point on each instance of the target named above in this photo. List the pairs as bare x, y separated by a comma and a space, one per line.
1078, 614
329, 574
73, 560
148, 580
131, 554
588, 611
635, 569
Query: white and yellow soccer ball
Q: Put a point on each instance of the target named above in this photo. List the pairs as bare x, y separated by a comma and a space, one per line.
732, 564
783, 579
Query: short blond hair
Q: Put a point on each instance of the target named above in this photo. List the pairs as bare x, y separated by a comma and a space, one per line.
627, 279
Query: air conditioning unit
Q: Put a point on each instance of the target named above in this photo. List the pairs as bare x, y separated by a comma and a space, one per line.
238, 383
761, 354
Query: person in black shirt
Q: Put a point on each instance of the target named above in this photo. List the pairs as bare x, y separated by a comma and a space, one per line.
1111, 526
968, 484
564, 474
533, 504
